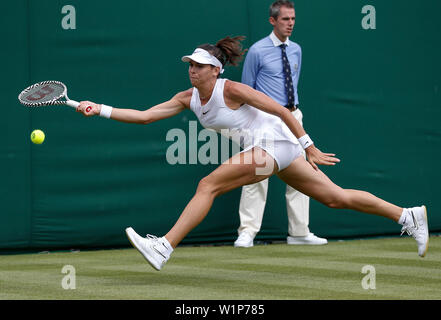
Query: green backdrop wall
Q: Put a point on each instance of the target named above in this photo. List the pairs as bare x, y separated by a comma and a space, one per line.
370, 96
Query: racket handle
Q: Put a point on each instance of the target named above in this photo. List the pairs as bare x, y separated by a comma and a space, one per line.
72, 103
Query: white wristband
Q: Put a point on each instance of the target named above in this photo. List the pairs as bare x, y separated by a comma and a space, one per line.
106, 111
305, 141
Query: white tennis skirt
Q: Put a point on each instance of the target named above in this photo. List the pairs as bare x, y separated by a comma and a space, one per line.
283, 151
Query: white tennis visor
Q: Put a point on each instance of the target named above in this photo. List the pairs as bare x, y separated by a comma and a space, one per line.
203, 57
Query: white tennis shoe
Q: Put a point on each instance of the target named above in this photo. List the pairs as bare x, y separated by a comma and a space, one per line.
309, 239
415, 224
245, 240
155, 250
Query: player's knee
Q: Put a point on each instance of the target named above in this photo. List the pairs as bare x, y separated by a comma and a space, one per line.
207, 186
337, 202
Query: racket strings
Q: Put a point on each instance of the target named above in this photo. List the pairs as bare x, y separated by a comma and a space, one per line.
44, 93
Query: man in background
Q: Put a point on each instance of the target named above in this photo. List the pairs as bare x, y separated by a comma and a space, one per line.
272, 66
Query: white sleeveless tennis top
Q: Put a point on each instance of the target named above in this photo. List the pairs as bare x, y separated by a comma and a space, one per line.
247, 126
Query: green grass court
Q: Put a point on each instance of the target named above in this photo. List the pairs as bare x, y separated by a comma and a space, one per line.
264, 272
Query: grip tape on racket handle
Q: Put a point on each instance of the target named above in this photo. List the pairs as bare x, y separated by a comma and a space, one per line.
75, 104
72, 103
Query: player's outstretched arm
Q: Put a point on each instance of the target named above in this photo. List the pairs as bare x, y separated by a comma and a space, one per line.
161, 111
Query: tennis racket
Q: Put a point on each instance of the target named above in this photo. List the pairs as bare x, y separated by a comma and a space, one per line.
47, 93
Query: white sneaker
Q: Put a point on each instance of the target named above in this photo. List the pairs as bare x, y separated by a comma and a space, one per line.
310, 239
415, 224
245, 240
155, 250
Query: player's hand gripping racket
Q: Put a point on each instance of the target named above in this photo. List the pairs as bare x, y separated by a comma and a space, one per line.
47, 93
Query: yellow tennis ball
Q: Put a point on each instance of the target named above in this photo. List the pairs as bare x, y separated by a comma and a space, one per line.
37, 136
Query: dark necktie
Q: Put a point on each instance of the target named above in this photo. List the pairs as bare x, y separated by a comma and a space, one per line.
289, 88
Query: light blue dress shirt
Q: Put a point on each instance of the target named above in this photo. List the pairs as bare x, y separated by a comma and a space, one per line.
263, 69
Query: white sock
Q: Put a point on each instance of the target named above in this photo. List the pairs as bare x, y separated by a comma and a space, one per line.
167, 245
403, 219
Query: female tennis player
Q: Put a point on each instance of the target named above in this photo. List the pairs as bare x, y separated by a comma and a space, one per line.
222, 104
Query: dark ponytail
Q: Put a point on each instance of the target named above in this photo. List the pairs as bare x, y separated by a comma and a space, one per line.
231, 49
227, 50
